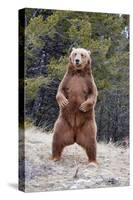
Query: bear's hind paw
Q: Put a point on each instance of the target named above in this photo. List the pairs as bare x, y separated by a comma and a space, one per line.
93, 164
54, 158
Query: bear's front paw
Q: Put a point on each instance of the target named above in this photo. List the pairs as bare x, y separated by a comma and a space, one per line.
84, 107
63, 102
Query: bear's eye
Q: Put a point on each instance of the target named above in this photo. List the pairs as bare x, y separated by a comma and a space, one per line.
82, 55
75, 54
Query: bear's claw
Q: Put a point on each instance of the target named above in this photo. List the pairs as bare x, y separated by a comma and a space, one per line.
55, 158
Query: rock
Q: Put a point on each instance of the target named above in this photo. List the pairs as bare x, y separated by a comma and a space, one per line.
113, 181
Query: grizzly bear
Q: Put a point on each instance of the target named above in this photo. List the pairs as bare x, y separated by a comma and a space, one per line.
76, 97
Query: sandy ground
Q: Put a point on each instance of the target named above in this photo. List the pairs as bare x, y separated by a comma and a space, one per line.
72, 171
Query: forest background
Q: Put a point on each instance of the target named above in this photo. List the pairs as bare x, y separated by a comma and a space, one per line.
49, 38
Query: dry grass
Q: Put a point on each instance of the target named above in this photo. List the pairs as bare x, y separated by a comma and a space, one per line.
72, 171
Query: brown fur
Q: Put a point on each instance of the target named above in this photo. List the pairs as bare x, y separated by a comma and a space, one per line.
76, 96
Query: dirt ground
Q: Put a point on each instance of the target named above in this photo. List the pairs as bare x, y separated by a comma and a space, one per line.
72, 171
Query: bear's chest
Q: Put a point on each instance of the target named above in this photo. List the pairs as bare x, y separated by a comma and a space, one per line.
77, 89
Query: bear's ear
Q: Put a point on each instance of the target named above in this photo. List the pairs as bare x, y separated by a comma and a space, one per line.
73, 48
89, 52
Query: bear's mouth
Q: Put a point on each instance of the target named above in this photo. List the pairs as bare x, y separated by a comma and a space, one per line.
78, 66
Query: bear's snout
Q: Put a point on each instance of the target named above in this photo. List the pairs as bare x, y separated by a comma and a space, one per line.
77, 61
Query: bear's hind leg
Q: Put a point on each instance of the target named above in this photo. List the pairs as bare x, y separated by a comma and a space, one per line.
63, 136
57, 148
86, 137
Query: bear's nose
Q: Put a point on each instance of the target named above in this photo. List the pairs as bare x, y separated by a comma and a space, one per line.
77, 61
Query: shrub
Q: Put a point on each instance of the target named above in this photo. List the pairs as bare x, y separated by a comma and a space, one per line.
32, 85
57, 68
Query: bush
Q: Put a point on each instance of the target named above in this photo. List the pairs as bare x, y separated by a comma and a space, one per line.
57, 68
32, 86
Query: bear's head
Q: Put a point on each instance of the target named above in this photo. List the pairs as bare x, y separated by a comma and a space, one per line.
79, 58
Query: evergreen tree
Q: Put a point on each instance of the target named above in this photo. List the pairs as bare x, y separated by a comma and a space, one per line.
49, 38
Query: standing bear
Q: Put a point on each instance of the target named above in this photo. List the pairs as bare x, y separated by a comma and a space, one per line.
76, 96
